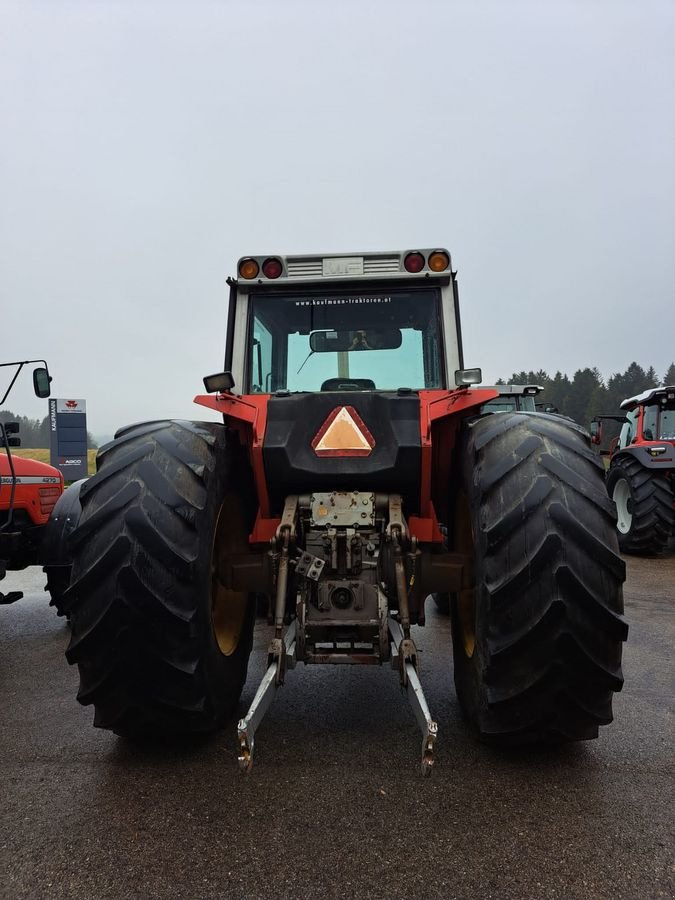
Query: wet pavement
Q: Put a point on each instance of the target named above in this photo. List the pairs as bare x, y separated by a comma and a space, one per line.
335, 805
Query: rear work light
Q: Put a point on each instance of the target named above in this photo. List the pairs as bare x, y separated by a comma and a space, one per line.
438, 261
414, 262
272, 267
465, 377
248, 268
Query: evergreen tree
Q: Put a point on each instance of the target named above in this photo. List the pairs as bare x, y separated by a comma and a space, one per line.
669, 377
627, 384
557, 391
652, 379
585, 384
29, 429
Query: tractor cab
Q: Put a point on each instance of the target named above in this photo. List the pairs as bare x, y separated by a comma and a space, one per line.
650, 416
369, 322
513, 398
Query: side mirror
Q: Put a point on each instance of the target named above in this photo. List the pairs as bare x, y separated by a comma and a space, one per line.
41, 382
12, 427
13, 441
220, 383
596, 432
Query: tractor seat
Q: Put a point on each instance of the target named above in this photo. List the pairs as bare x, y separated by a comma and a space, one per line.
348, 384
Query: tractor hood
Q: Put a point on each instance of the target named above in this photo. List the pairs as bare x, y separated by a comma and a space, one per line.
29, 468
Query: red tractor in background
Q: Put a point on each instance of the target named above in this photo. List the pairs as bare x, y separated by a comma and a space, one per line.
351, 475
29, 490
641, 475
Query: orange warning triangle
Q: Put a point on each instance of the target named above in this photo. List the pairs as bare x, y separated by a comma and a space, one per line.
343, 434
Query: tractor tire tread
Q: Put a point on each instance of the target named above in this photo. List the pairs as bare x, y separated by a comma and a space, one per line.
549, 626
139, 634
653, 513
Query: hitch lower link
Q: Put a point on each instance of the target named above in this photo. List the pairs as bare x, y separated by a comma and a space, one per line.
281, 658
403, 658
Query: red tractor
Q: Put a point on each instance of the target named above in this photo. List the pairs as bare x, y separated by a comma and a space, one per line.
641, 475
29, 490
351, 475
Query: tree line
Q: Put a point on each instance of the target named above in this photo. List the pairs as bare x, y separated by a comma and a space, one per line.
586, 394
35, 433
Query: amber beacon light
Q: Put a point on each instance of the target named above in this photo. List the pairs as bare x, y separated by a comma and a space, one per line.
438, 261
248, 268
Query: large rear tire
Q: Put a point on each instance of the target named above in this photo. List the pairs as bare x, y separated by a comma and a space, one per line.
58, 582
54, 546
162, 647
644, 506
537, 626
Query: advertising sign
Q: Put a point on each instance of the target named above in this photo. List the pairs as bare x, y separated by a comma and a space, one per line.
68, 437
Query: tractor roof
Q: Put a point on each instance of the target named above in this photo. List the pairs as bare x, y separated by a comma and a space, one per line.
653, 395
268, 271
518, 389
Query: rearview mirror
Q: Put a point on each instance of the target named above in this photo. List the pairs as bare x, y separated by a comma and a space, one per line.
41, 382
362, 339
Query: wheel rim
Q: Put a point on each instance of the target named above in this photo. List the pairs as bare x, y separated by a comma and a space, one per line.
465, 598
623, 500
228, 607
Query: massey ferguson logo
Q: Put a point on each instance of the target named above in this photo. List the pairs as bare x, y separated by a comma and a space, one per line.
71, 404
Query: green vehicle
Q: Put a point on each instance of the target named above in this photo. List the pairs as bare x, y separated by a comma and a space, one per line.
513, 398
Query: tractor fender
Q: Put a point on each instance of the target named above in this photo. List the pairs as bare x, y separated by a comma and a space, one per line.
640, 453
54, 550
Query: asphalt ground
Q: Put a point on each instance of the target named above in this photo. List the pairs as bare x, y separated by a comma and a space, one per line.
335, 805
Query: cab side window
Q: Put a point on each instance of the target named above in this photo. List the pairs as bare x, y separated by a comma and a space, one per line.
261, 373
628, 430
649, 421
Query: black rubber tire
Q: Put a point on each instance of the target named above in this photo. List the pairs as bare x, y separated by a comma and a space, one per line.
54, 550
651, 498
140, 596
58, 581
546, 583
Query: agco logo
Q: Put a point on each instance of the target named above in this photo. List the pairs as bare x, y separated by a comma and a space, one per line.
71, 404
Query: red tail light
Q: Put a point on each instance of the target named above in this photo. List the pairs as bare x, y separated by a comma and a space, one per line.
272, 268
414, 262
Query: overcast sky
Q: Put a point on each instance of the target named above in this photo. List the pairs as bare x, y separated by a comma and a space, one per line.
145, 146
